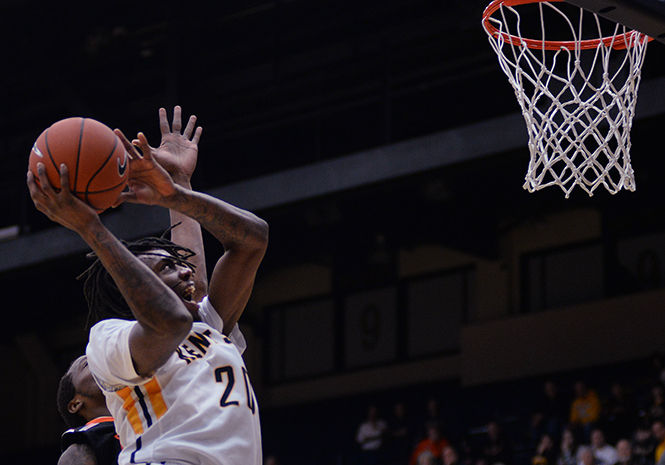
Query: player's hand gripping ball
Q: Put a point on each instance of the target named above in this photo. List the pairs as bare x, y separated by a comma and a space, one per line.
96, 159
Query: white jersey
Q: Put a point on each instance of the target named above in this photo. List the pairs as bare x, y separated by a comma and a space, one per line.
198, 408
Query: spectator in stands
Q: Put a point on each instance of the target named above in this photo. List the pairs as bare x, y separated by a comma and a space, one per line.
656, 408
399, 437
585, 456
549, 415
449, 455
618, 414
644, 444
568, 448
433, 415
433, 444
624, 453
465, 451
585, 409
553, 408
658, 367
426, 458
658, 430
370, 437
545, 453
271, 460
604, 453
496, 447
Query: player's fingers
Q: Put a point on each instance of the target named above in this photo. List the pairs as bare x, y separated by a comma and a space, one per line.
64, 178
163, 122
144, 146
137, 146
127, 196
177, 119
197, 135
35, 192
137, 143
190, 127
131, 150
119, 201
43, 180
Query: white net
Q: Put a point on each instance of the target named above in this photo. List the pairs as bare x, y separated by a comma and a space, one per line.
578, 100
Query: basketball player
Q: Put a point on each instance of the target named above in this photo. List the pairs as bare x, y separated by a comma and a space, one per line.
170, 367
91, 439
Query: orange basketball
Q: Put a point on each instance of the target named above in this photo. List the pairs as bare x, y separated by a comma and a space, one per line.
97, 161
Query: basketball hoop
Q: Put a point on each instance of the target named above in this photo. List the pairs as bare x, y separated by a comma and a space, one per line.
577, 91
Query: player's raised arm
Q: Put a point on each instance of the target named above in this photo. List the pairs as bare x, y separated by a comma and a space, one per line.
163, 318
245, 240
177, 154
243, 235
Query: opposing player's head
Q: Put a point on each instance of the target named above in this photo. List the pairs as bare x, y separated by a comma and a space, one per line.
79, 399
161, 255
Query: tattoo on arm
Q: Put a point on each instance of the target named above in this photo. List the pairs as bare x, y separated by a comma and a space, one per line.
163, 319
147, 296
244, 237
232, 226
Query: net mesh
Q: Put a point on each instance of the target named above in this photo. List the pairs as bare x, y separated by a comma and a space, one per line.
578, 100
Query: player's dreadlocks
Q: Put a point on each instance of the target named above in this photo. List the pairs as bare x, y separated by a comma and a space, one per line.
103, 296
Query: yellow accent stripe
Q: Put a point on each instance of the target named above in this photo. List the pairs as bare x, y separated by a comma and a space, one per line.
154, 391
129, 404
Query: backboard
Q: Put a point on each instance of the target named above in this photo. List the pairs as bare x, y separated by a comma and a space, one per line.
647, 16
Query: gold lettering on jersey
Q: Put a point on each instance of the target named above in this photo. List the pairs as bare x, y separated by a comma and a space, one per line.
195, 346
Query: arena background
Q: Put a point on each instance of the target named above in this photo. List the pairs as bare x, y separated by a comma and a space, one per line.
385, 148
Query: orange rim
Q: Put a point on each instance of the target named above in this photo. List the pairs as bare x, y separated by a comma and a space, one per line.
619, 41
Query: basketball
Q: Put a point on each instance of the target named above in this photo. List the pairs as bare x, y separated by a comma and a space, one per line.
96, 159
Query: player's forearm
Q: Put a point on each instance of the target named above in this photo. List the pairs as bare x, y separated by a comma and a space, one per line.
154, 305
188, 234
232, 226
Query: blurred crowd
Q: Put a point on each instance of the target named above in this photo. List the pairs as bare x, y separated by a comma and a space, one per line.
618, 423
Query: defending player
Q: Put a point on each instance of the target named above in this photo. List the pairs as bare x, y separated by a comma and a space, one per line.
171, 368
91, 438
